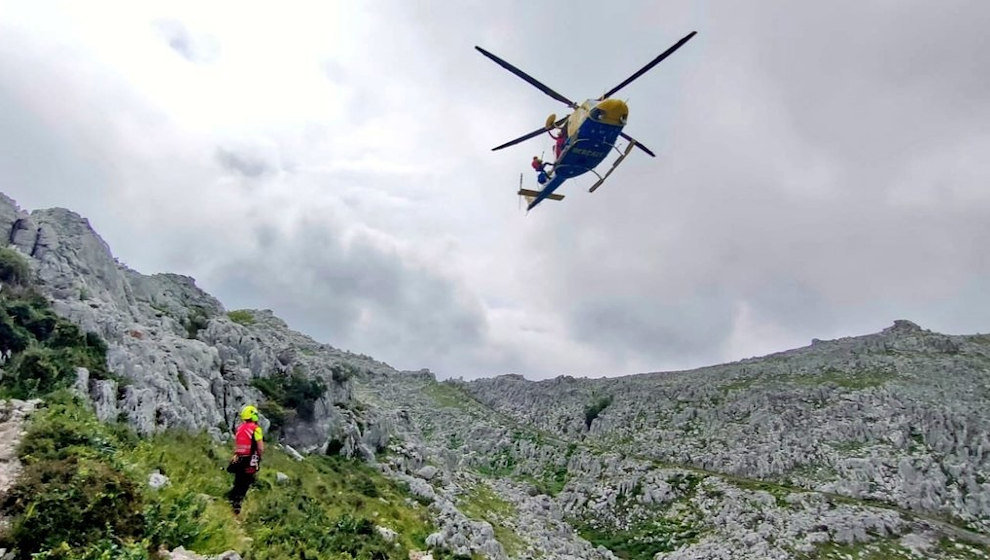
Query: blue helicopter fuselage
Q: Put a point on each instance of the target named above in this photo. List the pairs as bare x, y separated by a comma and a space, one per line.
592, 130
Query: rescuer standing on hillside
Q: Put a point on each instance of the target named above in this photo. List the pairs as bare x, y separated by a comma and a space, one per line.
248, 448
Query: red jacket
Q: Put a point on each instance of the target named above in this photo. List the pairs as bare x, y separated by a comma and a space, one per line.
246, 433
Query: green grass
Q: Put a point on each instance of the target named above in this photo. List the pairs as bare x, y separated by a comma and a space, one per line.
878, 550
653, 530
890, 549
644, 539
738, 384
854, 380
328, 508
448, 396
779, 493
553, 480
241, 316
500, 464
847, 446
953, 550
481, 504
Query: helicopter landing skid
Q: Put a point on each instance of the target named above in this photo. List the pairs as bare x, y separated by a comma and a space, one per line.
622, 156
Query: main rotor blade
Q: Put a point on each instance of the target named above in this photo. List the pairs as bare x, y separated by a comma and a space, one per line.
652, 63
536, 132
532, 81
638, 145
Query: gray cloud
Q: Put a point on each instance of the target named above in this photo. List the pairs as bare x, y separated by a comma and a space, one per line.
355, 293
632, 326
249, 165
794, 188
199, 48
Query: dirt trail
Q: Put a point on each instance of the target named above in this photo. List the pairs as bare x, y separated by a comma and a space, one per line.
13, 415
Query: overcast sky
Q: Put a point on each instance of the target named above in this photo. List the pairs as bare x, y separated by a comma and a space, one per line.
823, 169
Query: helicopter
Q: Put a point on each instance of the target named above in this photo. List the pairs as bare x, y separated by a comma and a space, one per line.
584, 137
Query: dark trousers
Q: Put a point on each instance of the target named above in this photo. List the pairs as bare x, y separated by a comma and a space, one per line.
242, 481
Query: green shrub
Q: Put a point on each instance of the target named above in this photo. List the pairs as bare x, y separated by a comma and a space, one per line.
67, 428
293, 391
176, 521
14, 268
74, 500
13, 336
342, 372
42, 369
366, 486
35, 372
328, 509
276, 415
34, 315
106, 549
300, 527
241, 316
594, 409
46, 348
196, 320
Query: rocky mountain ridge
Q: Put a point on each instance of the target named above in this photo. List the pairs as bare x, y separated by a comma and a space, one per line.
875, 444
898, 417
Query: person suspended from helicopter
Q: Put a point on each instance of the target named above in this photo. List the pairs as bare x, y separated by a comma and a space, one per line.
559, 140
540, 167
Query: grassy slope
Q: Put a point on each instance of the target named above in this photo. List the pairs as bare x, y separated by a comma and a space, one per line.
84, 492
328, 507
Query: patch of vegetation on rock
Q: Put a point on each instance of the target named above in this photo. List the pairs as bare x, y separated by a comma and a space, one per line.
594, 409
881, 549
197, 319
642, 540
14, 268
482, 504
448, 395
241, 316
342, 372
291, 391
45, 349
853, 379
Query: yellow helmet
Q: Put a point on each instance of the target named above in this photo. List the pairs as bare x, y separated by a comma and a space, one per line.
249, 412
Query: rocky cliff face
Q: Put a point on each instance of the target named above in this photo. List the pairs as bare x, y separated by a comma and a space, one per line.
875, 446
181, 362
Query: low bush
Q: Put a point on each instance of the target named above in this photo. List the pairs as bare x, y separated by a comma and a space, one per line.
241, 316
175, 521
14, 268
195, 321
342, 373
293, 391
75, 501
105, 549
45, 348
67, 428
592, 411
